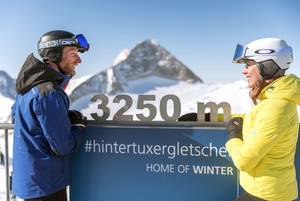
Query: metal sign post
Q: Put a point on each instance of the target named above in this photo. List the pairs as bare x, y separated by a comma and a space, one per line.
6, 127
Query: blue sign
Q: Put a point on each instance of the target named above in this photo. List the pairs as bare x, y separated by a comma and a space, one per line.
153, 163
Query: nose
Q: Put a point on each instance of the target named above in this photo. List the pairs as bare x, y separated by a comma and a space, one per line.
78, 60
244, 71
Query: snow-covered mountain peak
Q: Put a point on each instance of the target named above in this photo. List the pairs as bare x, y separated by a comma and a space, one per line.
150, 58
147, 59
154, 42
149, 42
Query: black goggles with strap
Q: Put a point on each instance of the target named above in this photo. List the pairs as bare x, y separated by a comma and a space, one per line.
79, 41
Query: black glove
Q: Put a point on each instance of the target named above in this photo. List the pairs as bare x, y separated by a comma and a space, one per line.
234, 128
77, 119
193, 117
207, 117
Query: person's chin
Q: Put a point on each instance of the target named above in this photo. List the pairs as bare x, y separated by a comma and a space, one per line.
72, 72
73, 69
250, 85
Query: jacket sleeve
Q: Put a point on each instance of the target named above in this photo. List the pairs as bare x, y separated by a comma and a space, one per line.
52, 113
269, 126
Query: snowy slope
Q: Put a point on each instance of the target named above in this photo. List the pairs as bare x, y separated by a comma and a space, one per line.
5, 105
75, 82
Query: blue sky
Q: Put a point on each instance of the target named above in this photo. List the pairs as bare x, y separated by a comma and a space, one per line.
201, 33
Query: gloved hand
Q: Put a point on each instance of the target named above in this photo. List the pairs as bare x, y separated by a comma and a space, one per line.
193, 117
234, 128
77, 119
207, 117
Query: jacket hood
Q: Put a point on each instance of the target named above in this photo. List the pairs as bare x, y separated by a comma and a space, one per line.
34, 72
284, 88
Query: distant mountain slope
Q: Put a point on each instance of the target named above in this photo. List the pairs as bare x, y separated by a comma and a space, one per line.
7, 85
7, 95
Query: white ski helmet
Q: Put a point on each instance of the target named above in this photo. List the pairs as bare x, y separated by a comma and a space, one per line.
265, 49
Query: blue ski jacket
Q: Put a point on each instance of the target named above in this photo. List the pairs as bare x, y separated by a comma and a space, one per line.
43, 134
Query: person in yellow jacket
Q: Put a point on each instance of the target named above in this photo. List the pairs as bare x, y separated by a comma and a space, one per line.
262, 144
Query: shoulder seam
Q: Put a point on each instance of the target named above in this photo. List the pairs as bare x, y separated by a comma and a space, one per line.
46, 87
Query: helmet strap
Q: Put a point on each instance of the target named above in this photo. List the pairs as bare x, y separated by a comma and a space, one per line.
269, 70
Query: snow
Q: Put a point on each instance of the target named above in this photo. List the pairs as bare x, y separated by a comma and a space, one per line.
163, 63
2, 183
110, 78
141, 86
122, 56
5, 104
75, 82
154, 42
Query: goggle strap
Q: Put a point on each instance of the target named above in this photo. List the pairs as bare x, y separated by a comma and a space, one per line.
57, 43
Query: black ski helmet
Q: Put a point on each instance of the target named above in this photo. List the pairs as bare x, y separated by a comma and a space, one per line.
51, 44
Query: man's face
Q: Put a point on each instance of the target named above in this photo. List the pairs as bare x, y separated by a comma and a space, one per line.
251, 73
70, 59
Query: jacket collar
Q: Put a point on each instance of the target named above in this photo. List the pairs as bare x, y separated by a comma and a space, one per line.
34, 72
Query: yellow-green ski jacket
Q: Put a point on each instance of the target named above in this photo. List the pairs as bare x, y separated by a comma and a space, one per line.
265, 156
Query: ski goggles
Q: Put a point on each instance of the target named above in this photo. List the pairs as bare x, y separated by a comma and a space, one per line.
79, 41
239, 54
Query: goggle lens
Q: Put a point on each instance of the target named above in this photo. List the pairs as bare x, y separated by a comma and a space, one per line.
239, 54
82, 43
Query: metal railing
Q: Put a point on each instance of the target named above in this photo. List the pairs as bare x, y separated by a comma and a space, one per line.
6, 127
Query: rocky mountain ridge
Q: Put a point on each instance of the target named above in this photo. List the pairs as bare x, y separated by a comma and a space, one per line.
147, 61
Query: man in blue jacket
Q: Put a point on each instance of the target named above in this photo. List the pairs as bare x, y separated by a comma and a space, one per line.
46, 132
